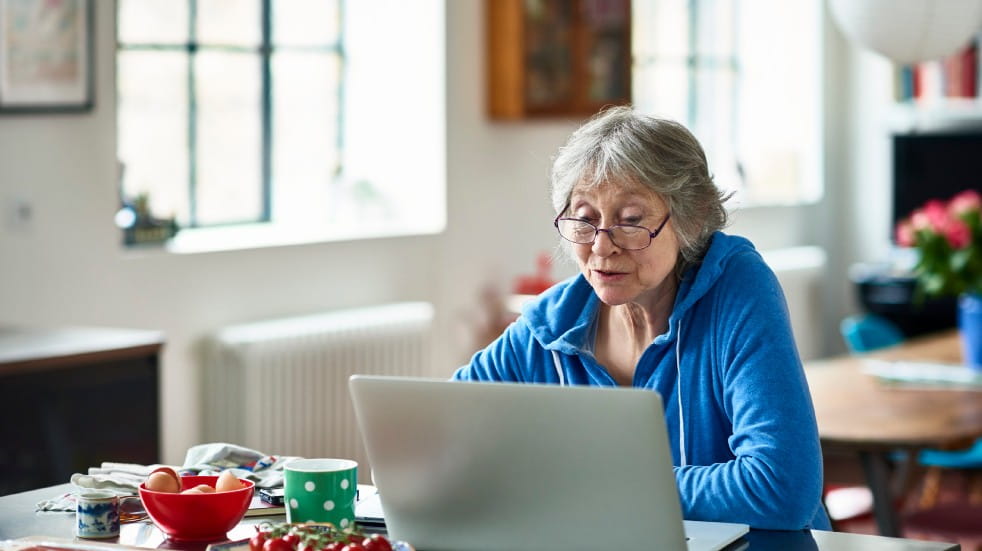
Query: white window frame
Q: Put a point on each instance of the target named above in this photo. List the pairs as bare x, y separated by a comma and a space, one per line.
766, 145
393, 133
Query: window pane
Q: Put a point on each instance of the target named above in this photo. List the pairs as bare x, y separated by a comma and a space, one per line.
229, 22
662, 89
205, 128
229, 137
152, 22
715, 99
152, 129
661, 57
305, 22
715, 121
661, 29
778, 114
716, 26
754, 107
305, 111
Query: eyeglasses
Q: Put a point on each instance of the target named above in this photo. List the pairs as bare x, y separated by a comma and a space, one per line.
625, 236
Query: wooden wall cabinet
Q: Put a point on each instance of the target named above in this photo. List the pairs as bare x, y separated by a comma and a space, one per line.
556, 58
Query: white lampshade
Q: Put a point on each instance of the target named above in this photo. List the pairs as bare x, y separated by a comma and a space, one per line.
909, 31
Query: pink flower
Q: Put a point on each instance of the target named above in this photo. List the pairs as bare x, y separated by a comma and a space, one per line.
920, 221
937, 215
946, 236
965, 201
905, 234
958, 234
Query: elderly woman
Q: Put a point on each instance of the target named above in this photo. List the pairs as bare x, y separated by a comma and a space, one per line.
666, 301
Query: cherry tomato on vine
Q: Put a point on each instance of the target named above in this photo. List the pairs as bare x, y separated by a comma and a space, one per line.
256, 542
277, 544
353, 547
334, 546
376, 542
292, 539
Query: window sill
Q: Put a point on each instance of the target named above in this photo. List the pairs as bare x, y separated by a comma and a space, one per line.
260, 236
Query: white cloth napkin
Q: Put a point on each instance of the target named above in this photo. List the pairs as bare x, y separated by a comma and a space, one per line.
124, 479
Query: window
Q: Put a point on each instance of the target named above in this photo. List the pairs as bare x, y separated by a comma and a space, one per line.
745, 77
249, 118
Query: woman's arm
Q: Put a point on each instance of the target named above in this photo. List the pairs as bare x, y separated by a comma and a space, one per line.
500, 360
775, 480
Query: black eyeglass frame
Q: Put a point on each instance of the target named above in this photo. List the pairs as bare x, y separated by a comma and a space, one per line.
596, 231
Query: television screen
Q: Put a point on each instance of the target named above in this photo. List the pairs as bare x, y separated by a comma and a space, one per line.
933, 166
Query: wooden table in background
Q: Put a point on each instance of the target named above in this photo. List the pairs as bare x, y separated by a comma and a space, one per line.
857, 412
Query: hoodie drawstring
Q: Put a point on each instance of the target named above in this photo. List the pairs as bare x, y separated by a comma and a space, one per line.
678, 370
559, 368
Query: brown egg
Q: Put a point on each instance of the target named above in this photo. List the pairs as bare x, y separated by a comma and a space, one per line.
227, 482
200, 489
170, 472
163, 482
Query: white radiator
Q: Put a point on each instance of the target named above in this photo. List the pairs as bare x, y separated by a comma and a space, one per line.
281, 386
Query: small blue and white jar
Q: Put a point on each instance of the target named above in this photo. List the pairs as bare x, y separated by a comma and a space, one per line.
96, 515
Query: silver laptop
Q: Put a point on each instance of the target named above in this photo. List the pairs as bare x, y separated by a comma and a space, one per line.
492, 466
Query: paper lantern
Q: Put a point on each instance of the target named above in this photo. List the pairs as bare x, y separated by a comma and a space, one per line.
909, 31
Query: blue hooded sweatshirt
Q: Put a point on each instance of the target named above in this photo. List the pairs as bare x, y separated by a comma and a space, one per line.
740, 419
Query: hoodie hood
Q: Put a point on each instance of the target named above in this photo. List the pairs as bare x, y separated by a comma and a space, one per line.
572, 332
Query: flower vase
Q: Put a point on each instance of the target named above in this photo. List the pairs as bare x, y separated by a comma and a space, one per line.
970, 327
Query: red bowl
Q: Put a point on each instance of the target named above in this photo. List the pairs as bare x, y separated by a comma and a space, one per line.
197, 517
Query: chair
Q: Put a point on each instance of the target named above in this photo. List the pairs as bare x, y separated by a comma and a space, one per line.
969, 459
869, 332
930, 515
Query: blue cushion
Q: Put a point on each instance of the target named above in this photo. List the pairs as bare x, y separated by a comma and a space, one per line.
869, 332
961, 459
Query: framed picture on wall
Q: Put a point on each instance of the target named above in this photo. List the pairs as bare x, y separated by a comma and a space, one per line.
46, 55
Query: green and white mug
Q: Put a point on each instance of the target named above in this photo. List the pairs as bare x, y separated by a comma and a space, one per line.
321, 490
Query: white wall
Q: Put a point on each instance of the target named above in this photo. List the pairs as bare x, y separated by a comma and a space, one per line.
855, 217
65, 265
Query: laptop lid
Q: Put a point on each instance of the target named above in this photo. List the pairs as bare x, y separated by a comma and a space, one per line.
477, 466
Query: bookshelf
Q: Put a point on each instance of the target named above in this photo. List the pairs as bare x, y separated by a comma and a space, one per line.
953, 77
942, 95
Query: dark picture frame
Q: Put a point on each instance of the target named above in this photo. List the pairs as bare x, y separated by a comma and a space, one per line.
46, 56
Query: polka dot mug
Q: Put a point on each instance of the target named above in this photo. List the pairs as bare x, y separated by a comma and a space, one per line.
320, 490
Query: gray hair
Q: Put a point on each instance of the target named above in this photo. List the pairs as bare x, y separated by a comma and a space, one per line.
622, 145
